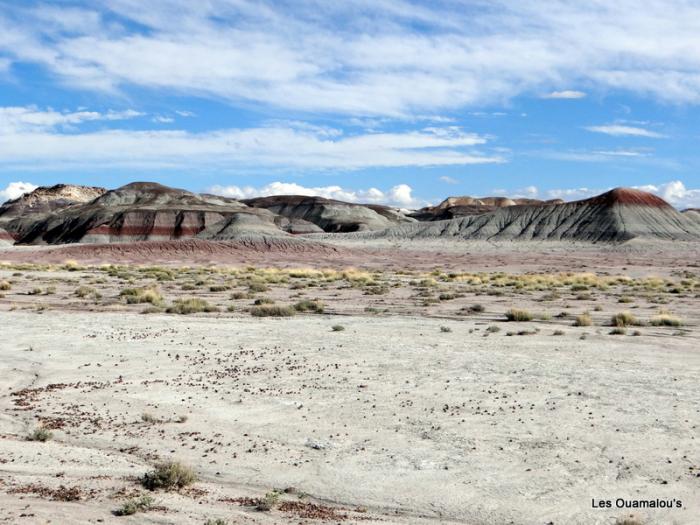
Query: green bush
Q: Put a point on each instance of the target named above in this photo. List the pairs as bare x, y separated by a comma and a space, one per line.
134, 505
40, 434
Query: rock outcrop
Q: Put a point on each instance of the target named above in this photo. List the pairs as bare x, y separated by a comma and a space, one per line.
329, 215
618, 215
141, 211
48, 199
453, 207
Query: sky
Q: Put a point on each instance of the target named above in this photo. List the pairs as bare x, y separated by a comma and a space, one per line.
384, 101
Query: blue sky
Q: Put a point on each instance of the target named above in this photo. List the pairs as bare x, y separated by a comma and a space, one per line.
394, 101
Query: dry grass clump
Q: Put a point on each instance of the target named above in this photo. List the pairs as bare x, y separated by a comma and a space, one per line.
308, 305
85, 291
623, 319
192, 305
168, 476
257, 287
134, 505
40, 434
142, 295
583, 320
620, 330
665, 319
4, 286
515, 314
272, 310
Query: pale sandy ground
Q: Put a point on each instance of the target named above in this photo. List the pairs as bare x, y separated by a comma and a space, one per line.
412, 423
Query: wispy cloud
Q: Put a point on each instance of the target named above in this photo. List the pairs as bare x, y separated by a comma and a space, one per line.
619, 130
300, 56
31, 118
30, 139
449, 180
566, 94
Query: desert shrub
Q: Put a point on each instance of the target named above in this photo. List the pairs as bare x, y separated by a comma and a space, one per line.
445, 329
446, 296
624, 319
34, 291
134, 505
272, 310
263, 300
217, 521
219, 288
4, 286
620, 330
493, 329
188, 287
142, 295
665, 319
40, 434
477, 308
192, 305
309, 306
583, 320
149, 418
255, 287
625, 299
558, 332
338, 328
518, 315
269, 502
168, 476
240, 295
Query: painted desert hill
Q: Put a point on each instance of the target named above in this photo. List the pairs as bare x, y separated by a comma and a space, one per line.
331, 216
146, 211
616, 216
454, 207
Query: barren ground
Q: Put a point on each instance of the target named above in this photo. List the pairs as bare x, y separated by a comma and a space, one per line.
417, 411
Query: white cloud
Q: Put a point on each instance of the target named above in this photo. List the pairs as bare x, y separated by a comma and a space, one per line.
566, 94
400, 195
27, 118
28, 141
300, 56
676, 193
16, 189
449, 180
619, 130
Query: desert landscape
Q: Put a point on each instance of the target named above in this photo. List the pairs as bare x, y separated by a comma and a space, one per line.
171, 357
309, 262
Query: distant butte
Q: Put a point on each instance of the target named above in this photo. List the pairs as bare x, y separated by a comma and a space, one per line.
147, 211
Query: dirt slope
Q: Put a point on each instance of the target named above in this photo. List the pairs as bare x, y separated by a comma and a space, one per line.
618, 215
330, 215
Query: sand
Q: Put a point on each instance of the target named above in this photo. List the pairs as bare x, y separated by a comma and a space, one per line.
413, 413
393, 415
